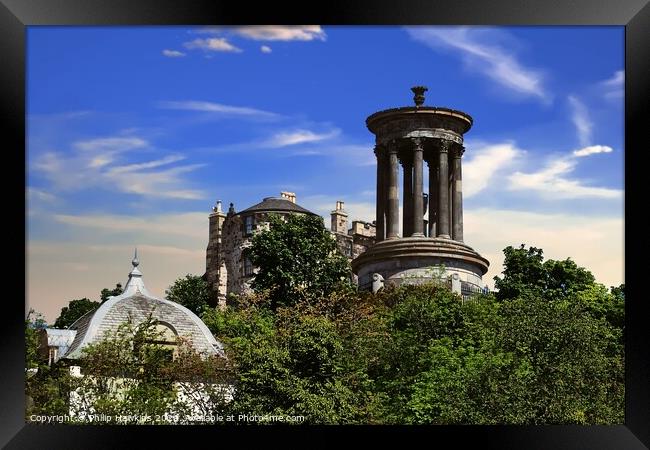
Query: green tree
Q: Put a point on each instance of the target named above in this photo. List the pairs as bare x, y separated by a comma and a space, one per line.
604, 304
576, 360
106, 293
192, 291
74, 310
294, 361
525, 271
297, 258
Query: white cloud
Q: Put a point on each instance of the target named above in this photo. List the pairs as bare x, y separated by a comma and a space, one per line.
581, 120
106, 149
491, 59
483, 164
94, 165
118, 144
592, 150
551, 182
192, 105
595, 243
213, 45
265, 49
165, 183
271, 32
173, 53
148, 165
299, 137
614, 87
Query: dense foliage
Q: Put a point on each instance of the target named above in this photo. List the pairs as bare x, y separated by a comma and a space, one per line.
526, 272
547, 348
192, 292
297, 257
106, 293
419, 355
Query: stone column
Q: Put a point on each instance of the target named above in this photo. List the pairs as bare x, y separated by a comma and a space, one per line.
457, 194
393, 193
418, 208
433, 194
443, 190
381, 199
407, 213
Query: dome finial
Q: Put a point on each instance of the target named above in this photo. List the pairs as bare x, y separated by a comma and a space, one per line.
135, 261
419, 94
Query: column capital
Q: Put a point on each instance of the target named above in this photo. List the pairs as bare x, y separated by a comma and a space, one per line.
417, 143
445, 145
457, 151
405, 157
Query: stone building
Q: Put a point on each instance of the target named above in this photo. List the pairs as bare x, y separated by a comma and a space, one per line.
410, 137
228, 267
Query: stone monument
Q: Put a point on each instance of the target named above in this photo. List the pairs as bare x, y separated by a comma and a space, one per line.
426, 249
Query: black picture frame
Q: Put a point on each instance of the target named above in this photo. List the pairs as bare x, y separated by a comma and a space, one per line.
16, 15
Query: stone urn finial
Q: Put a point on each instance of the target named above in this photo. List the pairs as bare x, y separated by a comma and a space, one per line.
419, 94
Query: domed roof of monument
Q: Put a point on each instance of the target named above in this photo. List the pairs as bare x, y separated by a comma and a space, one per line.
137, 303
460, 118
276, 204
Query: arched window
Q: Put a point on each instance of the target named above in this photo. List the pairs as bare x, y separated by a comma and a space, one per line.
159, 340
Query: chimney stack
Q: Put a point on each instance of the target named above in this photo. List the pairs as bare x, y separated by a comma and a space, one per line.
291, 196
339, 219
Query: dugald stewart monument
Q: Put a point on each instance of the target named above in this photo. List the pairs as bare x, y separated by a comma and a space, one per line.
425, 246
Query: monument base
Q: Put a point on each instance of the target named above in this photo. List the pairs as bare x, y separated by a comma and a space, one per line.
421, 259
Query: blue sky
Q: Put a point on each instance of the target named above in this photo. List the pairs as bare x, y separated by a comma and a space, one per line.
135, 132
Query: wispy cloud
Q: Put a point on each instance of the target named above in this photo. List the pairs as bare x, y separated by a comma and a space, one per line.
165, 183
284, 139
148, 165
213, 45
271, 32
484, 163
552, 181
481, 53
614, 87
95, 163
265, 49
173, 53
592, 150
117, 144
581, 120
227, 110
